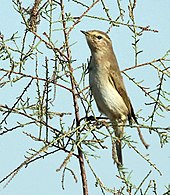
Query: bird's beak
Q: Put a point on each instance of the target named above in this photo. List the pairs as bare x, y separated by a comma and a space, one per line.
84, 32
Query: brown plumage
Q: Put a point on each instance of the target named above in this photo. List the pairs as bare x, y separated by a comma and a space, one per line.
107, 85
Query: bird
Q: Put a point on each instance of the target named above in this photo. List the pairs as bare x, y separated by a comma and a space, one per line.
107, 86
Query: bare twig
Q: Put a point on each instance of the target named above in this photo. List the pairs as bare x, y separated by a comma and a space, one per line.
76, 108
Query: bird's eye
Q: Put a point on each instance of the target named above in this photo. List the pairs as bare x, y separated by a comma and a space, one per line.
99, 37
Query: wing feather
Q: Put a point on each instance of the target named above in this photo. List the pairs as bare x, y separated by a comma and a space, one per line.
116, 78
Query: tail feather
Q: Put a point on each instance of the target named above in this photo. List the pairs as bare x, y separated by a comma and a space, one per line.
119, 135
119, 151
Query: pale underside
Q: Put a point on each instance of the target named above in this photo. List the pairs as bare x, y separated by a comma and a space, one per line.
108, 100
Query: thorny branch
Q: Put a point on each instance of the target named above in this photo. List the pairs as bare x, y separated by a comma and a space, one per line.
76, 107
78, 135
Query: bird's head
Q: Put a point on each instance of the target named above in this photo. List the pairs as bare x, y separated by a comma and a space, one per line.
98, 41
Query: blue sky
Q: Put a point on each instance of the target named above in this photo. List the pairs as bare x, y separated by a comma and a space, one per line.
41, 177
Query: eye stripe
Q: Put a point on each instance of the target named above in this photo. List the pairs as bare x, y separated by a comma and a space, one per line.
102, 36
96, 33
99, 37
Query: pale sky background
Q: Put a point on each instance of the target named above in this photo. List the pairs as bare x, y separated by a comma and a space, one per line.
40, 177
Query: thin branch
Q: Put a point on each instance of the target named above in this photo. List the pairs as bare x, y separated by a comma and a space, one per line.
36, 78
76, 107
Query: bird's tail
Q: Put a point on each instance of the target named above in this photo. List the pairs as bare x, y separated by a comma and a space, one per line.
119, 152
118, 143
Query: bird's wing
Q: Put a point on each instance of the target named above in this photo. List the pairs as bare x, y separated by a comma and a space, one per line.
116, 79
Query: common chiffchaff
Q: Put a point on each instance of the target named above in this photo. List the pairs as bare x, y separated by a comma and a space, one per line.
107, 87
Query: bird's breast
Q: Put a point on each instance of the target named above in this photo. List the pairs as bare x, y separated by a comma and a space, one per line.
106, 96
